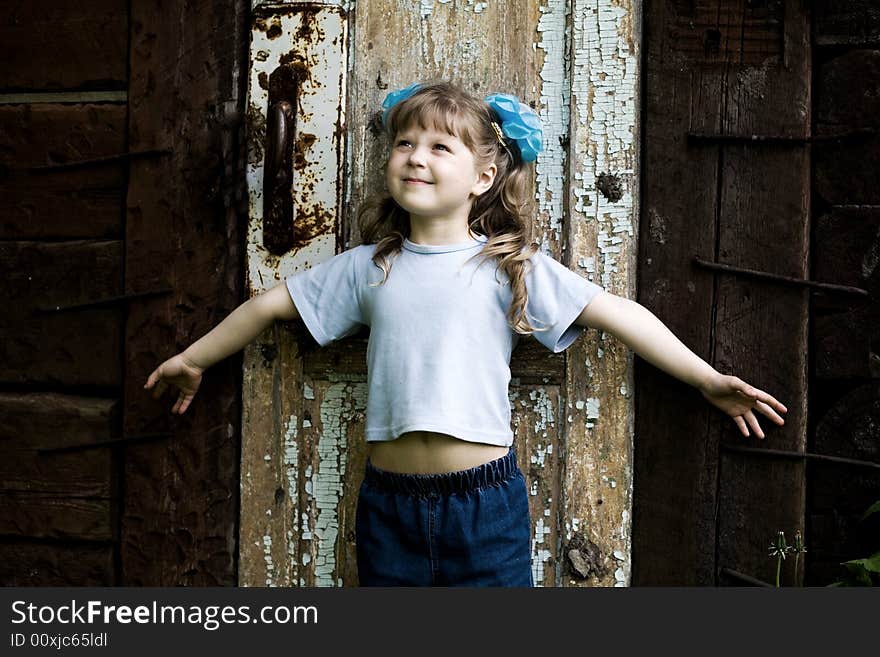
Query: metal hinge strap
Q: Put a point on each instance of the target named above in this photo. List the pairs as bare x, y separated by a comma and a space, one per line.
799, 455
830, 287
105, 302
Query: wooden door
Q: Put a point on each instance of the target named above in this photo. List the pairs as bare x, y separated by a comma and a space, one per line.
303, 450
727, 145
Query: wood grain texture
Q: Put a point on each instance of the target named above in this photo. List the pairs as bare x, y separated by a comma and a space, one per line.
79, 203
31, 563
68, 348
845, 338
183, 231
742, 205
845, 169
61, 497
270, 464
63, 44
854, 23
601, 232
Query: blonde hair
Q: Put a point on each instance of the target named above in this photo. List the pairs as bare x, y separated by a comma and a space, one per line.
501, 213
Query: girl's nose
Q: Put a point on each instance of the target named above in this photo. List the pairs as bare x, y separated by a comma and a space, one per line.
416, 156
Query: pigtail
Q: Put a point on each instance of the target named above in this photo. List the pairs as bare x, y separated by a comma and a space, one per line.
502, 214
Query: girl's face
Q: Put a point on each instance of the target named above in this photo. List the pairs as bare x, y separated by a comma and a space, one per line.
433, 175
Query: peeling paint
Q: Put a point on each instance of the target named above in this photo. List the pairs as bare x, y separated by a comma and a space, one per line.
592, 407
555, 74
291, 475
540, 553
543, 407
341, 403
267, 557
604, 88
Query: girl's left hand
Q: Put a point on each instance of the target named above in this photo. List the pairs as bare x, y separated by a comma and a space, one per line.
738, 399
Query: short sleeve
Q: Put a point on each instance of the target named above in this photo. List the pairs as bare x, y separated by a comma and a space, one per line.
327, 297
557, 296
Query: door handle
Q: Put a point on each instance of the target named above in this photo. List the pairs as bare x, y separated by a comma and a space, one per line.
278, 178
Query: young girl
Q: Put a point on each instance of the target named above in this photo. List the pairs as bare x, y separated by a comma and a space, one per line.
447, 281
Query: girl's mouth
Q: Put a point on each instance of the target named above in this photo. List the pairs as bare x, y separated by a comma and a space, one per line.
414, 181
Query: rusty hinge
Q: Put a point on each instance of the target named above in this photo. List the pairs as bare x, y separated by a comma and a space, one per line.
744, 578
699, 137
124, 440
799, 455
99, 160
754, 273
104, 302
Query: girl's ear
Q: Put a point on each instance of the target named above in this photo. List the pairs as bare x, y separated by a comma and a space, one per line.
485, 179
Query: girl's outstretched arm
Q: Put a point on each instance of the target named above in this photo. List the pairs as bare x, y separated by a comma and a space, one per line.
241, 326
640, 330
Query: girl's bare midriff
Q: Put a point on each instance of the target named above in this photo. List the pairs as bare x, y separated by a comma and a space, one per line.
424, 452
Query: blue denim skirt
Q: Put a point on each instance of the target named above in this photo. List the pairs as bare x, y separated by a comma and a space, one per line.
464, 528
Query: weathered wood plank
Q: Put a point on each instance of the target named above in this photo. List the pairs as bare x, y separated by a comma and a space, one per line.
312, 41
854, 22
332, 461
761, 329
270, 463
75, 347
669, 547
741, 205
848, 413
63, 203
64, 44
24, 563
845, 337
536, 419
183, 231
48, 515
846, 169
39, 421
596, 516
531, 362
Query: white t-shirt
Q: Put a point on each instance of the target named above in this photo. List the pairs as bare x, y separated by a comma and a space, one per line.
439, 349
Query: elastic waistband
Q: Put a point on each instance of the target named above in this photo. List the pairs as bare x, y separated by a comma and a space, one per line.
492, 473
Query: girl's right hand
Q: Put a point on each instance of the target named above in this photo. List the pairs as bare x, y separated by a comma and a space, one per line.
180, 372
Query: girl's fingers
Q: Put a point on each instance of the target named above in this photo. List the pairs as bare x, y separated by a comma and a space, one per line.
769, 412
150, 380
768, 399
742, 425
753, 422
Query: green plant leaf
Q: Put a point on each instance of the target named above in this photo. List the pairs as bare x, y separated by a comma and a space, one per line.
874, 508
871, 564
858, 574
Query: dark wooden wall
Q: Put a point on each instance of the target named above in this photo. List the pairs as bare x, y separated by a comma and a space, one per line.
790, 202
845, 343
121, 169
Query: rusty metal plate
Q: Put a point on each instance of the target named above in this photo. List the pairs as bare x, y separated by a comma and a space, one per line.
298, 51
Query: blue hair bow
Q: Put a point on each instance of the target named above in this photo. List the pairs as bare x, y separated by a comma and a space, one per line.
518, 121
395, 97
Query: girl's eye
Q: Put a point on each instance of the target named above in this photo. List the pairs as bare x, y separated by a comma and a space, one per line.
443, 146
403, 142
